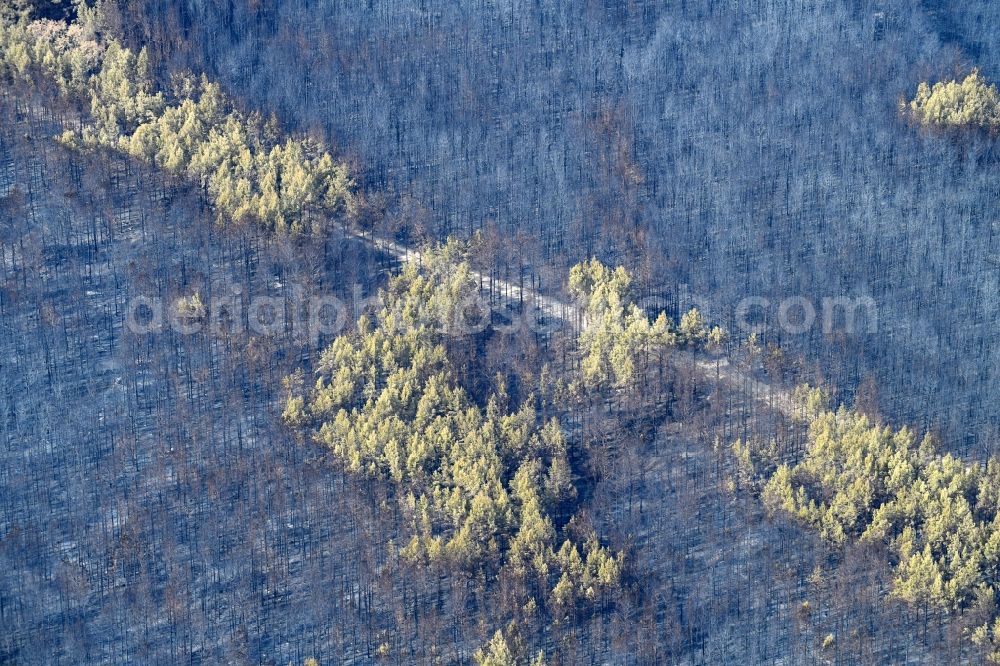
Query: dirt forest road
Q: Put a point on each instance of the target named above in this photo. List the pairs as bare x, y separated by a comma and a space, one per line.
772, 396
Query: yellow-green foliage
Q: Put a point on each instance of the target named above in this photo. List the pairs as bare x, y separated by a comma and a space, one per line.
755, 459
988, 635
971, 102
507, 648
65, 53
495, 653
617, 334
862, 480
810, 401
480, 482
192, 130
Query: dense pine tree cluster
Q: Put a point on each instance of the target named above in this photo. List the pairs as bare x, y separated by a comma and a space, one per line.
972, 102
617, 333
193, 129
619, 344
862, 480
485, 484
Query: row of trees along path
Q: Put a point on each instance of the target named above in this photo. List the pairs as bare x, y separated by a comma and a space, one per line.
514, 296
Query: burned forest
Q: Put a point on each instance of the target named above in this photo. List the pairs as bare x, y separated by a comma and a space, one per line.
519, 333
